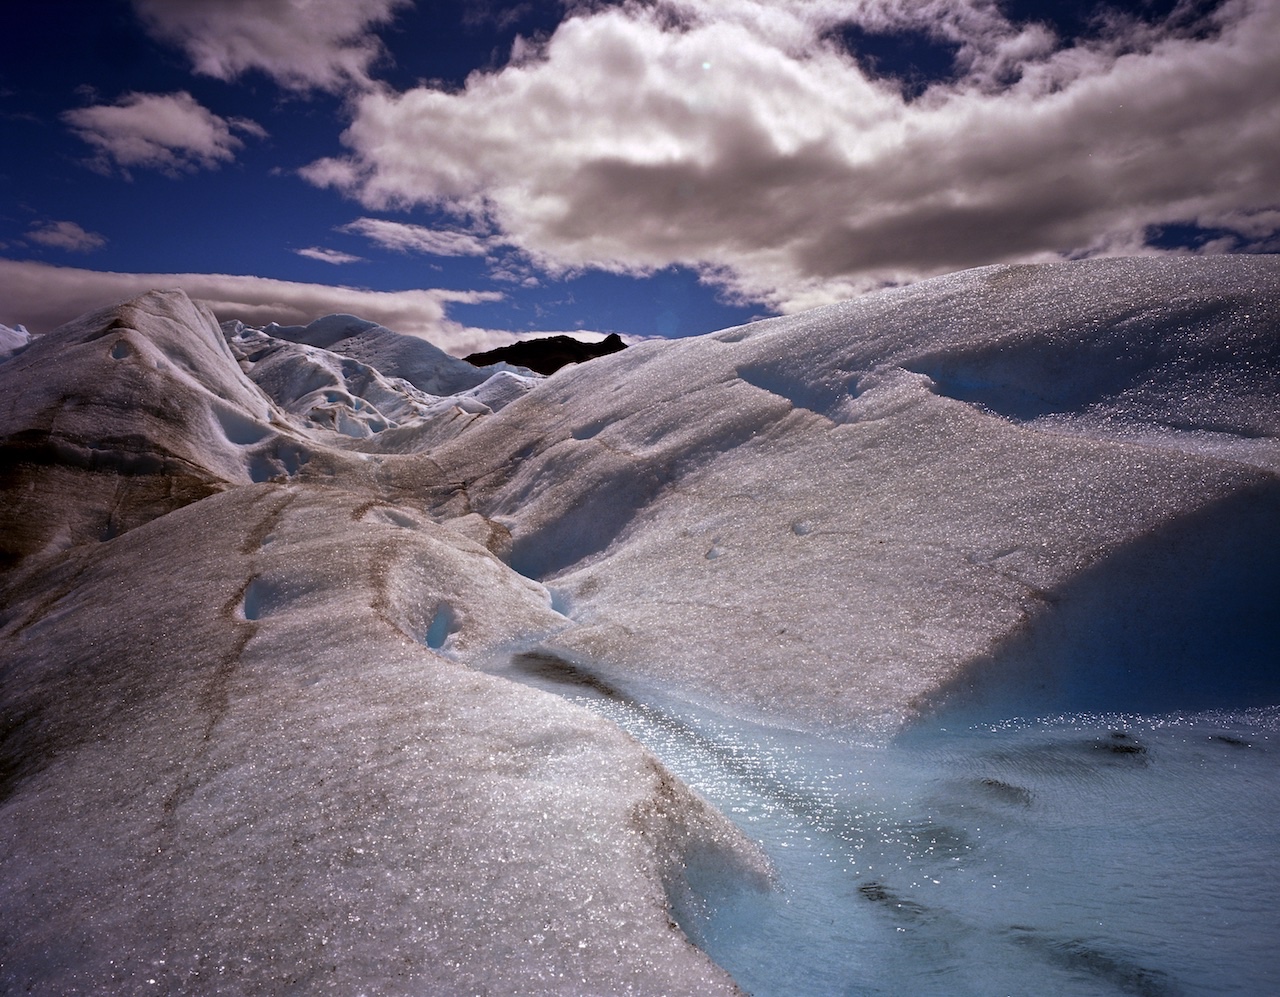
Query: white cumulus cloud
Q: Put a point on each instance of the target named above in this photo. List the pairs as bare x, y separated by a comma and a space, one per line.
301, 44
407, 238
43, 297
66, 235
741, 138
334, 256
169, 132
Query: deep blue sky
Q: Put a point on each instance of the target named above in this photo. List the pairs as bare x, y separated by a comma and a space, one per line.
666, 228
251, 217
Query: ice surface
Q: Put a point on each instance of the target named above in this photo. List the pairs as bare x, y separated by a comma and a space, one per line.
251, 774
422, 364
12, 340
1082, 855
332, 392
833, 518
325, 391
118, 417
282, 611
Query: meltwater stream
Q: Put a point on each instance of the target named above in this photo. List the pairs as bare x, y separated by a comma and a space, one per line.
1077, 855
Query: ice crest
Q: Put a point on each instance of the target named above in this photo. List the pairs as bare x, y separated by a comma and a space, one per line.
12, 340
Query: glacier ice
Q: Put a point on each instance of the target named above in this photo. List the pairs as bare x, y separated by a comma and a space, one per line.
12, 340
319, 645
249, 770
810, 519
422, 364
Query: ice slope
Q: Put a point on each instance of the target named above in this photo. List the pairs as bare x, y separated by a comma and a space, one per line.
422, 364
239, 758
121, 416
1034, 486
241, 750
138, 409
12, 340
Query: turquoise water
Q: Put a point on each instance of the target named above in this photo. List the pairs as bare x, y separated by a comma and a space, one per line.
1075, 855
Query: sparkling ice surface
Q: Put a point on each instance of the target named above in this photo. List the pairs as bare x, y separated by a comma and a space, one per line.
923, 644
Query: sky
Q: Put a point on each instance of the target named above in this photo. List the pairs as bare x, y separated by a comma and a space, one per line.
472, 171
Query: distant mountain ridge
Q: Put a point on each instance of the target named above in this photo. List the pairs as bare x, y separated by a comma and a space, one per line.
548, 354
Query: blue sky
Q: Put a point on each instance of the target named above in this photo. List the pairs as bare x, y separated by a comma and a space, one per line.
470, 169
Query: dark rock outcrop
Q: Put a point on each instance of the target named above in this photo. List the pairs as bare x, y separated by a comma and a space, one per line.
548, 354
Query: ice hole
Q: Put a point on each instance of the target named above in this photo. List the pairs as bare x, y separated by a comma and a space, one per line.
239, 428
257, 596
261, 468
560, 601
292, 457
443, 625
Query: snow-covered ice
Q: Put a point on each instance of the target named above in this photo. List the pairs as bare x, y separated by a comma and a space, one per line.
331, 663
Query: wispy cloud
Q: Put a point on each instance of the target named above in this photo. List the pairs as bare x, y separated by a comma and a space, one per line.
334, 256
316, 44
66, 235
169, 132
406, 238
43, 297
741, 138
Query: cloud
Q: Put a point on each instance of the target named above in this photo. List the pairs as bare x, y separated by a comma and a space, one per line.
334, 256
406, 238
66, 235
43, 297
741, 138
301, 44
168, 132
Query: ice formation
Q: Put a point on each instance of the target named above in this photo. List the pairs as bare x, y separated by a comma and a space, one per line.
265, 592
852, 515
12, 340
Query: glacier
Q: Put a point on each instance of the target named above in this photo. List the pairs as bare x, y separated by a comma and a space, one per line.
12, 340
925, 643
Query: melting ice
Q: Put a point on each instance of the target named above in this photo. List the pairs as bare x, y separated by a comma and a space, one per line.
1080, 854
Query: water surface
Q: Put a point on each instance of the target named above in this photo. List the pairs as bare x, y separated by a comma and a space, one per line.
1086, 854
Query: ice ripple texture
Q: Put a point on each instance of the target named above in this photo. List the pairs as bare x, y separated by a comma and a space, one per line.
869, 650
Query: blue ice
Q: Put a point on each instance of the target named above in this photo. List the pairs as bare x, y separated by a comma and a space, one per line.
1084, 854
